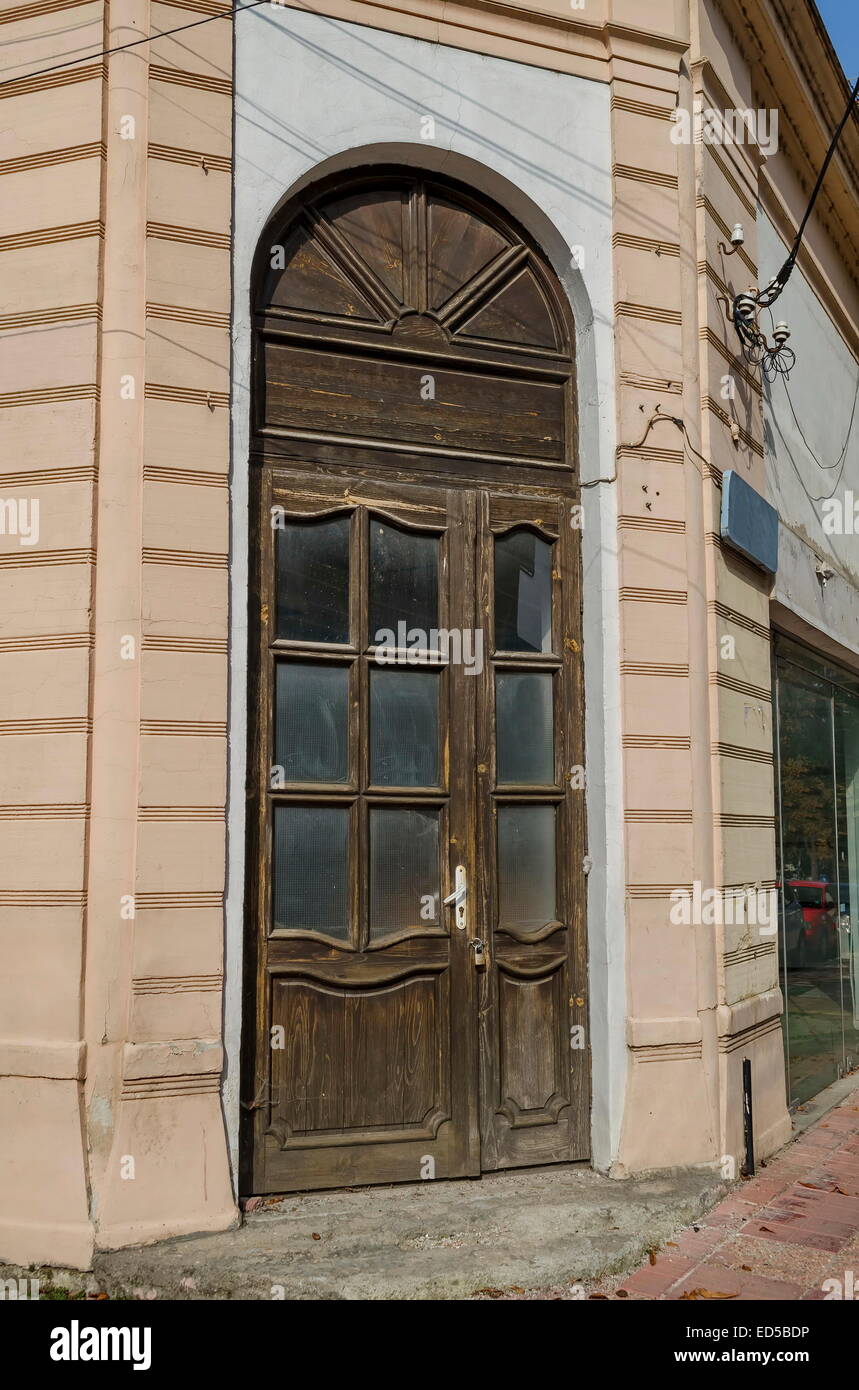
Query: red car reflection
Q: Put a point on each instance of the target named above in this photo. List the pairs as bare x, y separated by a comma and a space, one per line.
820, 918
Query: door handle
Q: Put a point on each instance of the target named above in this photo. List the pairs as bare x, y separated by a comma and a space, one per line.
458, 896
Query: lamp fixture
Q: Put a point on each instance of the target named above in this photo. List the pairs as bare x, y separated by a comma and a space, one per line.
774, 357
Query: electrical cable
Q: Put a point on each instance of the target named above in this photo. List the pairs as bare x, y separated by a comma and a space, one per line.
135, 43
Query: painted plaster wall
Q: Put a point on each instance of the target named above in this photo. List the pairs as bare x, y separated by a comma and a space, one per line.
823, 393
310, 91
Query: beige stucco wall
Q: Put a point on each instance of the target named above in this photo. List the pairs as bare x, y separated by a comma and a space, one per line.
115, 257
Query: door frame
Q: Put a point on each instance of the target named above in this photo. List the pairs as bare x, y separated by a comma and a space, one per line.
277, 454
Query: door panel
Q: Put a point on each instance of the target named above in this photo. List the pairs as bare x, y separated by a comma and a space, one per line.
364, 1064
533, 1010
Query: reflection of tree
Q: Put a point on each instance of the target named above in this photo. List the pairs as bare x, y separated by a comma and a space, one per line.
807, 808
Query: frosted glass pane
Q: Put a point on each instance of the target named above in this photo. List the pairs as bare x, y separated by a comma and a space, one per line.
313, 580
523, 593
404, 728
526, 866
311, 721
403, 584
404, 876
310, 864
523, 722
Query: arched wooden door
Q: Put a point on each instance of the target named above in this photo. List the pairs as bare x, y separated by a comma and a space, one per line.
416, 699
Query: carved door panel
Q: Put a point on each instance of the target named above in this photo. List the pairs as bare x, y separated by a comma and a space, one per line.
531, 839
365, 1066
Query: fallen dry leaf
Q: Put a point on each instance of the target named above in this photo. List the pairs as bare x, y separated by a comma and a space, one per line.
315, 1236
651, 1255
706, 1293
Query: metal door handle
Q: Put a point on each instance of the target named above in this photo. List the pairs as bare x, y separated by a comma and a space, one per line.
458, 896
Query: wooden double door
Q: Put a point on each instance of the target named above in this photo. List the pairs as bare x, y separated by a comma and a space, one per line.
419, 979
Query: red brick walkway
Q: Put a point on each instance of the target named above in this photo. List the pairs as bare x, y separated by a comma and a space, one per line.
779, 1235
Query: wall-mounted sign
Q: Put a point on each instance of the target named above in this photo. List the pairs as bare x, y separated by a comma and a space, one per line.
748, 523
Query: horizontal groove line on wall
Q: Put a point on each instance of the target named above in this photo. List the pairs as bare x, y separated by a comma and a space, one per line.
172, 154
732, 359
651, 383
154, 1089
656, 890
46, 477
185, 395
49, 236
198, 6
192, 236
180, 813
758, 692
638, 175
654, 668
181, 899
624, 308
645, 243
732, 1042
668, 1052
629, 594
26, 86
49, 642
731, 615
728, 176
154, 473
45, 159
71, 724
735, 750
166, 642
199, 559
207, 318
657, 817
47, 395
184, 728
641, 108
707, 403
650, 451
48, 811
200, 81
35, 318
682, 742
43, 559
176, 984
742, 819
36, 8
42, 897
650, 523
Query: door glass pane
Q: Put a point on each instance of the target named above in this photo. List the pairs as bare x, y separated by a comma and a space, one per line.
403, 586
810, 952
404, 728
404, 869
523, 593
523, 723
526, 866
847, 791
311, 721
313, 580
310, 869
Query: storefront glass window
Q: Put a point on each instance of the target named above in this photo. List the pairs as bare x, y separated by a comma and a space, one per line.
817, 844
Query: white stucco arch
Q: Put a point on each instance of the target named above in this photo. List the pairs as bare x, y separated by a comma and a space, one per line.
314, 97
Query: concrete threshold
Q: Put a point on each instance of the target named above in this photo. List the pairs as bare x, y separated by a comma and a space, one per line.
540, 1228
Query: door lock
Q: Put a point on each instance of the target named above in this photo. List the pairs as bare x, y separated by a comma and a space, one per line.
458, 896
479, 949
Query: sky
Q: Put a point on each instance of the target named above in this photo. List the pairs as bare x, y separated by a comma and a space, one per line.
841, 18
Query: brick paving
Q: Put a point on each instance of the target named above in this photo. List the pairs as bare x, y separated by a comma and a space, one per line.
778, 1236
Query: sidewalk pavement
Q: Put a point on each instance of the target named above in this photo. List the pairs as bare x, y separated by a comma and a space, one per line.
784, 1234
